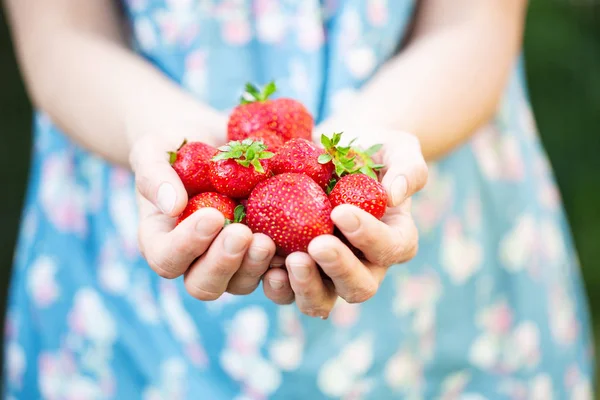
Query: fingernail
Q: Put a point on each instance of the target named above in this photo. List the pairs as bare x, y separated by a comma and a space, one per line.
399, 189
275, 284
165, 198
234, 244
327, 255
301, 272
258, 254
350, 223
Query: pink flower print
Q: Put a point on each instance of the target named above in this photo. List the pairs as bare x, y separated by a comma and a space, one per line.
145, 34
377, 12
498, 154
473, 213
552, 243
350, 31
236, 32
497, 319
563, 322
15, 363
461, 256
417, 292
90, 318
344, 374
41, 282
434, 201
540, 388
549, 195
113, 274
518, 247
137, 5
123, 211
528, 123
62, 199
345, 315
454, 385
404, 373
286, 352
178, 318
169, 29
197, 355
310, 32
271, 22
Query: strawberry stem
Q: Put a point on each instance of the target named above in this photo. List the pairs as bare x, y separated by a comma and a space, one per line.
173, 154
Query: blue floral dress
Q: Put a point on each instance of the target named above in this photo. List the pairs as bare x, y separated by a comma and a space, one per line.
491, 308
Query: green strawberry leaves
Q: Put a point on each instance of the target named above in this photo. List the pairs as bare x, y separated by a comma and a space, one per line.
253, 94
239, 213
246, 153
349, 159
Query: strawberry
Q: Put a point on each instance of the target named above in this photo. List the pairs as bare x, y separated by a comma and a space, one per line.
238, 166
291, 209
349, 159
269, 138
227, 206
361, 191
287, 117
302, 156
191, 161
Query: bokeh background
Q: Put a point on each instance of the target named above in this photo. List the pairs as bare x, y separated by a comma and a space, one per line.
562, 49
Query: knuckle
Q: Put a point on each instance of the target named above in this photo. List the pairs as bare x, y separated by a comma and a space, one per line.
223, 267
389, 255
200, 293
361, 294
164, 267
241, 289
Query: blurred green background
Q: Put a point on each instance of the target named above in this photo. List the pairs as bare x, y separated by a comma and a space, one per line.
562, 44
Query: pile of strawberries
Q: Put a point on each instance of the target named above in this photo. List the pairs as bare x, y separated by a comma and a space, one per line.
272, 178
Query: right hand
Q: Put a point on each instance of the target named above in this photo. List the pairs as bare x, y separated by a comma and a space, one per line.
212, 259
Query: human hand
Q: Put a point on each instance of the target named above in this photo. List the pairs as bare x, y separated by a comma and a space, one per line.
384, 243
213, 259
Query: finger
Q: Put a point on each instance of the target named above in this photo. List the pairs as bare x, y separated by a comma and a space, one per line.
278, 262
353, 281
155, 179
255, 264
314, 296
390, 241
170, 251
208, 278
406, 171
276, 286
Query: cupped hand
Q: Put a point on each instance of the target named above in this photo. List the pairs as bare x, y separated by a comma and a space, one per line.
213, 259
314, 280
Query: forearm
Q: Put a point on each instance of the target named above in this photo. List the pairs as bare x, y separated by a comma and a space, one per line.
95, 89
446, 83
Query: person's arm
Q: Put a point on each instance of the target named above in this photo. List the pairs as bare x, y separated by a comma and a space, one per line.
78, 69
449, 78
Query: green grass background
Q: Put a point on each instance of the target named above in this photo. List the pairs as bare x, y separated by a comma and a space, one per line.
562, 47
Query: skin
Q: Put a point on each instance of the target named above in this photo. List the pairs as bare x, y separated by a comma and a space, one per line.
441, 87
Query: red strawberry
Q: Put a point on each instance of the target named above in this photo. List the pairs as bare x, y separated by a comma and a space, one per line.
361, 191
191, 162
228, 207
302, 156
238, 166
291, 209
288, 118
269, 138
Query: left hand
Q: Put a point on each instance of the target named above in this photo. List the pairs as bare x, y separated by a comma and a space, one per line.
392, 240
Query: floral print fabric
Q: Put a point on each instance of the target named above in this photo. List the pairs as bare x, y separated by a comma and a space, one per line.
491, 308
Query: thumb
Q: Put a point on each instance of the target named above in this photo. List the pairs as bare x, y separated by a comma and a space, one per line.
406, 171
155, 179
